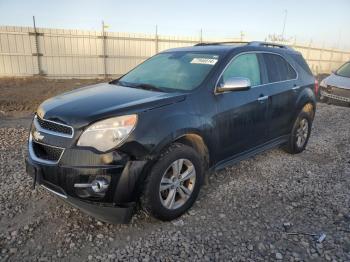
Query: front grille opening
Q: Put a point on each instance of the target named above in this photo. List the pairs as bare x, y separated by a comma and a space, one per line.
46, 152
55, 127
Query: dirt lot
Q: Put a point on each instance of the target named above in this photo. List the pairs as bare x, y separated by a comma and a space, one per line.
239, 215
20, 96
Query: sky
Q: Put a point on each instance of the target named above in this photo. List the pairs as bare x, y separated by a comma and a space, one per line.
325, 23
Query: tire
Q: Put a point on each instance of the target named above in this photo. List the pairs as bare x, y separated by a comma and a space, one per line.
157, 200
294, 146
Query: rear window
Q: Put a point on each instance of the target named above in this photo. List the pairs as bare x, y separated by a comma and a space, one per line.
301, 61
278, 69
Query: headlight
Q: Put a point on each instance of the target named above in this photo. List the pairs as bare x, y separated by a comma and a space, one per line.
107, 134
323, 83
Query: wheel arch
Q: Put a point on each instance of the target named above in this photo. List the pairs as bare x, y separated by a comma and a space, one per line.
197, 142
306, 102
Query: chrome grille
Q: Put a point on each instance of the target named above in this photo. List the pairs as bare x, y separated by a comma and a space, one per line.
340, 91
52, 127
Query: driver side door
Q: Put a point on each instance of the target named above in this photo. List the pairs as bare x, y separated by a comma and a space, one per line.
242, 116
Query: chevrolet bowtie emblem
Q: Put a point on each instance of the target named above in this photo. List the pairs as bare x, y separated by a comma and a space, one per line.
37, 136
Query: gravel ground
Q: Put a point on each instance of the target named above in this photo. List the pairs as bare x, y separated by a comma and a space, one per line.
239, 216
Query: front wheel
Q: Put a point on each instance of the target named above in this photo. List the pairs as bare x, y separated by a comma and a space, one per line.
173, 183
300, 133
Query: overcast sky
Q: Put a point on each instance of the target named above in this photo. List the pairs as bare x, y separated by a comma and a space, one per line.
323, 22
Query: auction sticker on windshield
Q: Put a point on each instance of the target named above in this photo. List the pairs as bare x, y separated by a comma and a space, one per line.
204, 61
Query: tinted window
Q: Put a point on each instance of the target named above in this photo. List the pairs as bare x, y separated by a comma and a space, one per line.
173, 70
301, 61
246, 65
278, 69
344, 70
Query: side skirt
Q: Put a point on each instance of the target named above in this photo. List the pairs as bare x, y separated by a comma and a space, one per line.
249, 153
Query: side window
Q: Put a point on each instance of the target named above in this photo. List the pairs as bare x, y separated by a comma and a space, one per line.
246, 65
278, 69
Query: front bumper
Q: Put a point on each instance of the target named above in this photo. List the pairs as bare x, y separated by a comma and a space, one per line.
118, 210
336, 94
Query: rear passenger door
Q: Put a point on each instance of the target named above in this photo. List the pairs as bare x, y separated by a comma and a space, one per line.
282, 89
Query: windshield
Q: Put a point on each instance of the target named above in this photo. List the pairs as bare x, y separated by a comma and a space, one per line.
344, 70
171, 71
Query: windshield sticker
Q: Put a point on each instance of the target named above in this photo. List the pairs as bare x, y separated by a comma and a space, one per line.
204, 61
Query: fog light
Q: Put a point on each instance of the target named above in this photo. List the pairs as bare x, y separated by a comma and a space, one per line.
99, 185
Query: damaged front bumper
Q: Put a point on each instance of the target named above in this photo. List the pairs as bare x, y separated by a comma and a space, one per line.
339, 94
115, 207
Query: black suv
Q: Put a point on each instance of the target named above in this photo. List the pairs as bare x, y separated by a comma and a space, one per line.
150, 136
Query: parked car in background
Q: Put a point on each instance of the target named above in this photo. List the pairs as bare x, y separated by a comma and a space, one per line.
152, 135
337, 85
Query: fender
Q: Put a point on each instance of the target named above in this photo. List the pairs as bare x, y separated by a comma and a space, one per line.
164, 126
305, 96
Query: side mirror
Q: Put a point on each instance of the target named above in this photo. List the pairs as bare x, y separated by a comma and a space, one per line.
234, 84
333, 71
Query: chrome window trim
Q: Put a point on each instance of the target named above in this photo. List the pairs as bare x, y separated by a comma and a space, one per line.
255, 52
41, 129
54, 192
37, 159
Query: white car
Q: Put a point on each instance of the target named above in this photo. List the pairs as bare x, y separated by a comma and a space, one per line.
337, 85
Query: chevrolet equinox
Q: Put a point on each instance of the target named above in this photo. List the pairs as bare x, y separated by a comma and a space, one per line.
152, 135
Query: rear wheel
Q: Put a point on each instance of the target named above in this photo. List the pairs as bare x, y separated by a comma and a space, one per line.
300, 133
173, 183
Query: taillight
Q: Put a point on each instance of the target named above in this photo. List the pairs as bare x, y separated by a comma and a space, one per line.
316, 86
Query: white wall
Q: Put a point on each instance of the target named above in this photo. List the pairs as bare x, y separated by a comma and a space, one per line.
73, 53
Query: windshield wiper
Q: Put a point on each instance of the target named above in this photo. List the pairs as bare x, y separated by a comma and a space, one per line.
148, 87
118, 82
136, 85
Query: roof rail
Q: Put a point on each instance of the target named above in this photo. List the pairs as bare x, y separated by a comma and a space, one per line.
253, 43
267, 44
221, 43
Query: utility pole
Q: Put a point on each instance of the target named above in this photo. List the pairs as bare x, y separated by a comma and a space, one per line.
201, 36
284, 23
242, 36
339, 37
156, 40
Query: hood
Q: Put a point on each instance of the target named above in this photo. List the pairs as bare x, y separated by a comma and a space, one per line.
338, 81
82, 106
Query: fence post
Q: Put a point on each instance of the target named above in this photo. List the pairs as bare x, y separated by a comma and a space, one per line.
156, 40
104, 50
37, 48
331, 60
342, 58
321, 56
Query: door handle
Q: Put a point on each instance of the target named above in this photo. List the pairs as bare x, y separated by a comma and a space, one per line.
262, 98
295, 88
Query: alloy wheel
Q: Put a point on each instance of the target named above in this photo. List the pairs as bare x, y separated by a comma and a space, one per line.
177, 184
302, 132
